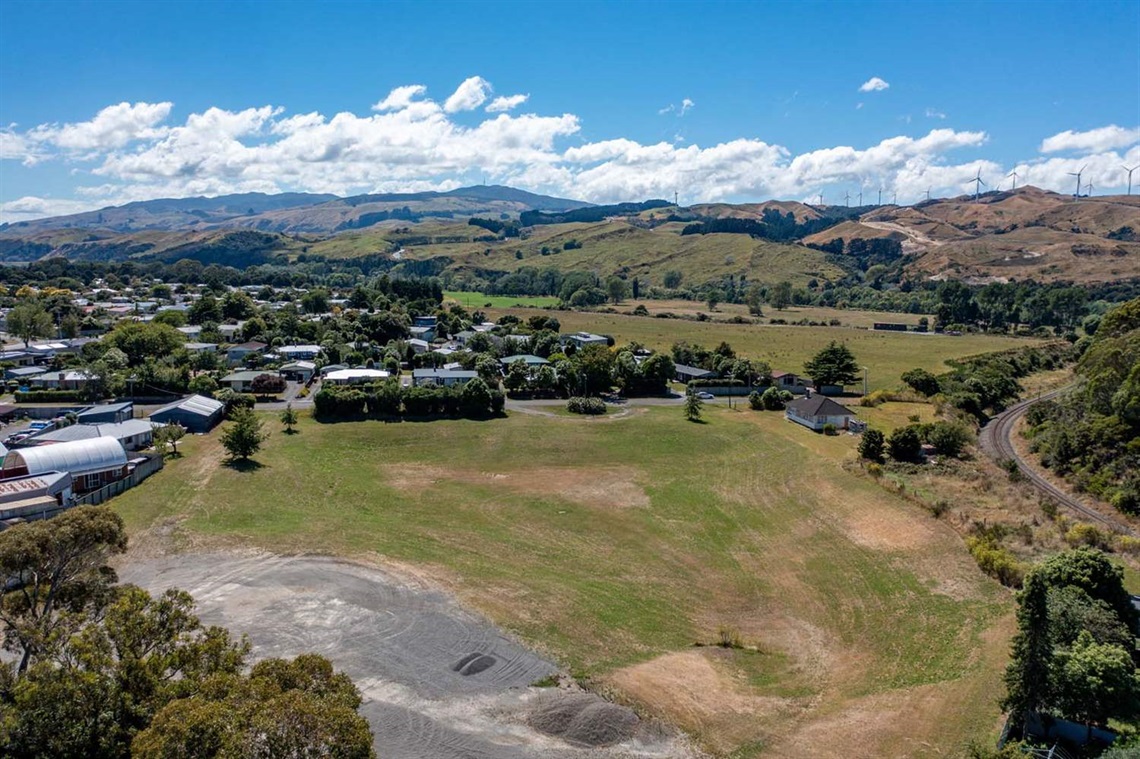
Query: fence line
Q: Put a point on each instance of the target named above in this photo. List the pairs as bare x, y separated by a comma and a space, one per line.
143, 470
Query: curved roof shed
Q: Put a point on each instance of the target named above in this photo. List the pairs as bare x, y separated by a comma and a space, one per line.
77, 457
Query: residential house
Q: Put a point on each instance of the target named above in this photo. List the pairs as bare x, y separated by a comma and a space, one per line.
815, 411
23, 374
19, 357
298, 352
67, 380
237, 354
582, 339
532, 362
230, 331
789, 381
355, 376
201, 347
298, 371
34, 497
445, 377
419, 346
686, 374
192, 331
132, 434
423, 333
242, 382
196, 413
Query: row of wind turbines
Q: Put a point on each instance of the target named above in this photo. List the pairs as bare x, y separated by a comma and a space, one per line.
979, 183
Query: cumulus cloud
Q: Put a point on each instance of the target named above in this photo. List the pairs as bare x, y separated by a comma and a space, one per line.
469, 95
685, 106
410, 142
400, 97
505, 103
1094, 140
874, 84
931, 113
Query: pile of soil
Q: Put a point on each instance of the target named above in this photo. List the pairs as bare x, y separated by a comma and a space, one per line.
583, 719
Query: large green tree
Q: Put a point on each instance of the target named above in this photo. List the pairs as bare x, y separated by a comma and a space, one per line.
834, 365
1028, 676
140, 341
28, 321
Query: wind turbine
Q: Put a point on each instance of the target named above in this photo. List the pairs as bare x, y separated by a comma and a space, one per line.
847, 196
978, 183
1078, 176
895, 201
1014, 175
1130, 176
1088, 189
821, 198
880, 195
860, 197
928, 193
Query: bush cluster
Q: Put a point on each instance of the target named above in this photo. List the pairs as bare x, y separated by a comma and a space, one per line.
593, 406
387, 400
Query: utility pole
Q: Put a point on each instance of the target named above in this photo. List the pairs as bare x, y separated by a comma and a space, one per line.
864, 381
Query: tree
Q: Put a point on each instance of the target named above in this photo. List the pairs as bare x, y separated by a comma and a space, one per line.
140, 341
693, 406
168, 435
298, 708
755, 300
834, 365
921, 381
315, 301
205, 310
267, 384
243, 436
594, 365
1027, 678
1095, 681
617, 288
773, 399
28, 321
713, 296
289, 419
780, 296
905, 444
948, 438
237, 305
204, 384
1093, 572
672, 279
476, 398
517, 375
871, 445
64, 565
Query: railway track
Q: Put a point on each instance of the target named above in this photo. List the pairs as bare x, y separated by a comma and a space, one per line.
996, 440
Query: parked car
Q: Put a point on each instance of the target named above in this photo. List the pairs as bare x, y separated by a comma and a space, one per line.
705, 396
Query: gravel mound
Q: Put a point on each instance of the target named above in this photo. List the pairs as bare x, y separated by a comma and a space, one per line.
583, 719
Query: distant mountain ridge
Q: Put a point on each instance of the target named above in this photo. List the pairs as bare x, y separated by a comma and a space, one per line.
296, 212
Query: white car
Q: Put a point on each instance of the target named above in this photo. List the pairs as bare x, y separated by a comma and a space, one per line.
706, 396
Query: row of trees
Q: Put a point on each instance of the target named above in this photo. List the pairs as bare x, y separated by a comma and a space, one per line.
104, 671
388, 400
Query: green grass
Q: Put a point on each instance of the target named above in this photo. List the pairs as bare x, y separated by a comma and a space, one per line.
886, 354
474, 300
735, 522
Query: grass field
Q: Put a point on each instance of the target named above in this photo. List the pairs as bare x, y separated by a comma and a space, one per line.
615, 545
885, 354
473, 301
726, 311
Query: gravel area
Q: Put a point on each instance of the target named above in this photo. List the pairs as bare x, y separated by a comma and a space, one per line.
438, 681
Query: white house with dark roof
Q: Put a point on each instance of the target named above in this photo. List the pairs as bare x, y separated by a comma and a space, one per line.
816, 411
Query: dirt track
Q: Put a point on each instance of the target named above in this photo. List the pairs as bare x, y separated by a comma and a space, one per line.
408, 647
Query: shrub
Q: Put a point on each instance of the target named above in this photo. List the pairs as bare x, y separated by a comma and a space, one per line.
904, 444
871, 445
589, 406
1082, 534
755, 401
49, 396
830, 429
996, 561
774, 399
921, 381
948, 438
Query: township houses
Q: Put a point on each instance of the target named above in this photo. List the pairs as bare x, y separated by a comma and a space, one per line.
418, 345
68, 380
19, 357
242, 382
532, 362
687, 374
445, 377
23, 374
355, 376
582, 339
815, 411
298, 371
298, 352
237, 354
789, 381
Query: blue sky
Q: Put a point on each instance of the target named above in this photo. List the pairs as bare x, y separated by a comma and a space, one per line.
718, 101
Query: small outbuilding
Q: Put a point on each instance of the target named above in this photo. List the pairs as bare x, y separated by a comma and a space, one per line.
107, 413
356, 376
445, 377
196, 413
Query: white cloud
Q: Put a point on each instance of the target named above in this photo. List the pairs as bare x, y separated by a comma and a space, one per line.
505, 103
400, 97
874, 84
934, 114
469, 95
686, 106
412, 143
667, 109
1094, 140
858, 106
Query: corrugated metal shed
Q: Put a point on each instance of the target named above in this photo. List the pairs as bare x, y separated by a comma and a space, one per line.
77, 457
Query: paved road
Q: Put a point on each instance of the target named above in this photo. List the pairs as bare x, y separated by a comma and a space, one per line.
995, 440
